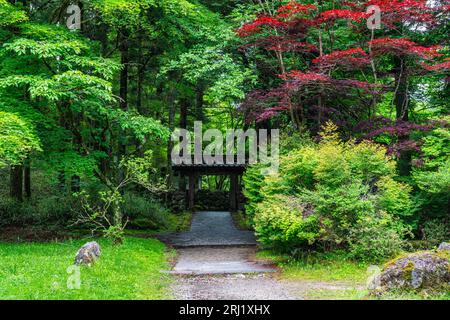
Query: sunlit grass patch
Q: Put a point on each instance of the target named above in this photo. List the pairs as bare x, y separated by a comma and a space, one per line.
39, 271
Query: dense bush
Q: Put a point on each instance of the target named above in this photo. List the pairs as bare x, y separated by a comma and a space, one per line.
431, 175
253, 181
436, 231
41, 211
144, 213
334, 194
376, 237
285, 222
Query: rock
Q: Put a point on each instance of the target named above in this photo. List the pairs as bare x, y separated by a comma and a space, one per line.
444, 246
418, 271
88, 253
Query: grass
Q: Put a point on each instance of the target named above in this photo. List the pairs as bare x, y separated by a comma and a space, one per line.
331, 268
334, 266
129, 271
180, 222
346, 294
176, 223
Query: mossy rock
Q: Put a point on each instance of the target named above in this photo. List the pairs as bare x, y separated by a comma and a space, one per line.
419, 271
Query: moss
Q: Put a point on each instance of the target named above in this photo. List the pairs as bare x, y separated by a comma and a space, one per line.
394, 261
444, 254
407, 271
441, 254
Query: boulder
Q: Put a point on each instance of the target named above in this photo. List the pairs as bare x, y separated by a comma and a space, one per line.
425, 270
444, 246
88, 253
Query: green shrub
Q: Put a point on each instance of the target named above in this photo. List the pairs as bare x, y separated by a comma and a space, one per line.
284, 223
144, 213
253, 181
394, 197
297, 167
432, 176
436, 231
376, 237
44, 211
294, 140
368, 161
338, 210
324, 191
56, 208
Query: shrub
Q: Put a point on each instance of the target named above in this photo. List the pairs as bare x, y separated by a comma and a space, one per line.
393, 197
376, 237
340, 184
338, 210
144, 213
436, 231
297, 167
332, 168
56, 208
253, 181
44, 211
294, 140
432, 174
284, 223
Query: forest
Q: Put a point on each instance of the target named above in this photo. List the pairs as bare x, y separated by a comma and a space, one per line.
92, 90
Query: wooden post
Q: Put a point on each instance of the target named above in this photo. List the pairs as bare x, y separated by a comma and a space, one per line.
191, 191
233, 192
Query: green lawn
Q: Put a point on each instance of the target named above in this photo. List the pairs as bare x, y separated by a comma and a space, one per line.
335, 268
130, 271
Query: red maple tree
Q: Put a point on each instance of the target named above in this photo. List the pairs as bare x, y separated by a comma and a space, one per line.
335, 76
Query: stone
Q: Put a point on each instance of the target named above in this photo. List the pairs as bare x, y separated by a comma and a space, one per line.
444, 246
88, 253
425, 270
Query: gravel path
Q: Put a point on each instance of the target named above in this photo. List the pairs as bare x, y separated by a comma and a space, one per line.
230, 287
211, 228
261, 286
217, 261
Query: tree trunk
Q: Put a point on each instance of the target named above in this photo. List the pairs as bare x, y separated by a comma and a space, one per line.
75, 183
16, 186
199, 93
123, 94
401, 90
401, 102
184, 104
172, 111
78, 141
27, 179
124, 60
62, 181
140, 75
